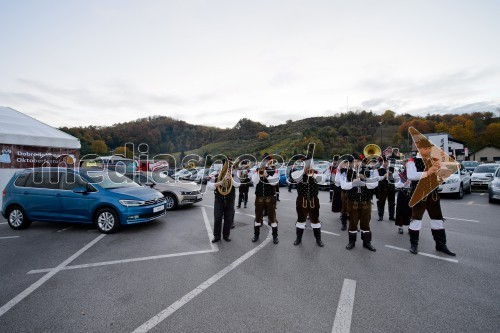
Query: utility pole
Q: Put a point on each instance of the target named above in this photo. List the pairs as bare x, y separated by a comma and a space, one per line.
380, 123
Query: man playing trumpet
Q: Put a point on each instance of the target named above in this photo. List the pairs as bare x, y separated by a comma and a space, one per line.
358, 186
265, 181
307, 202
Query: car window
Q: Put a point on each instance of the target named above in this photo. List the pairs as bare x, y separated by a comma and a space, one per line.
21, 180
110, 179
70, 181
486, 168
44, 179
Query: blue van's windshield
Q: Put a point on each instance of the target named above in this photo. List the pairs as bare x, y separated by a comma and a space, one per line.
109, 179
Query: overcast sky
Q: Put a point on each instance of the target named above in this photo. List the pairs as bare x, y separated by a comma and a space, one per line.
213, 62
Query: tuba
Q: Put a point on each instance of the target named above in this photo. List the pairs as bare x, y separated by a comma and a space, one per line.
227, 182
372, 150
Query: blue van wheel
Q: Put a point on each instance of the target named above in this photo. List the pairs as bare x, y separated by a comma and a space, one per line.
17, 218
107, 221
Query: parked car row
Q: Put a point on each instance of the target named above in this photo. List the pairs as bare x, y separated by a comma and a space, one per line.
105, 198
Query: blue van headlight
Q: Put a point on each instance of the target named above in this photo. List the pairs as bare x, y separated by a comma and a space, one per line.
132, 203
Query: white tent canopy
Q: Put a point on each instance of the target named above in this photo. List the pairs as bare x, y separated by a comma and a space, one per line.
19, 129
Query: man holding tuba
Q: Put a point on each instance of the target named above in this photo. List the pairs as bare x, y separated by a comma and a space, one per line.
265, 181
224, 190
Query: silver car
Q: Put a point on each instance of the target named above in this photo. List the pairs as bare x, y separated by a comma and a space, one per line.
176, 193
494, 187
482, 175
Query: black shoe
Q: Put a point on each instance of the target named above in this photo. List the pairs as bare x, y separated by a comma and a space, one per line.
232, 226
255, 238
380, 218
297, 241
275, 240
350, 246
444, 249
369, 246
392, 218
352, 241
343, 227
227, 239
319, 242
215, 240
245, 206
400, 231
414, 248
239, 206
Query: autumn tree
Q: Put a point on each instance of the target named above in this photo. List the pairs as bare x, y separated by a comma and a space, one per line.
262, 136
124, 151
99, 147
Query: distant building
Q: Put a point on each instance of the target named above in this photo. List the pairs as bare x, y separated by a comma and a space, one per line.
26, 142
487, 154
449, 145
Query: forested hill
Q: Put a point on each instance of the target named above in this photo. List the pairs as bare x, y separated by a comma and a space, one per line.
342, 133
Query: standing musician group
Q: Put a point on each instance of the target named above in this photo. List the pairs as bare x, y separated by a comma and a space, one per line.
355, 180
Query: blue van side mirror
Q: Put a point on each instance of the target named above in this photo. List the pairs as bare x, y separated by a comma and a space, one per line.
80, 189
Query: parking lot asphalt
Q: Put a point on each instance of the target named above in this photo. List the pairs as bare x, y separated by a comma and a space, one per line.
166, 276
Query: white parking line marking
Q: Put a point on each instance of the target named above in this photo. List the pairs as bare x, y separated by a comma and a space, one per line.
454, 218
123, 261
423, 254
46, 277
343, 317
330, 233
61, 230
3, 222
468, 204
8, 237
164, 314
210, 233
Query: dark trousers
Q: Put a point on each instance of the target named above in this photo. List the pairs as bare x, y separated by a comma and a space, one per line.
243, 197
359, 212
223, 208
384, 195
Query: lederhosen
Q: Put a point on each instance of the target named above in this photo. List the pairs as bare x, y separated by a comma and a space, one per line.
264, 200
431, 202
386, 190
359, 205
307, 202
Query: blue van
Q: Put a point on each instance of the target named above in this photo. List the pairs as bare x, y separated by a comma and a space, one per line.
103, 197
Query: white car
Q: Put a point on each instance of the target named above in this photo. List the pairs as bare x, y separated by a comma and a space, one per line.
176, 193
458, 183
323, 169
483, 175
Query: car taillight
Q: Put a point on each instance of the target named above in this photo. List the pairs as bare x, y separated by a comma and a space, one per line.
4, 193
